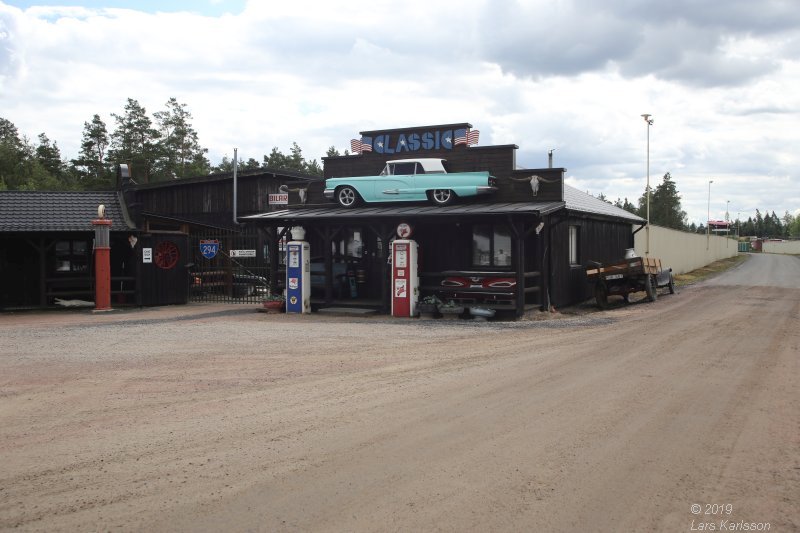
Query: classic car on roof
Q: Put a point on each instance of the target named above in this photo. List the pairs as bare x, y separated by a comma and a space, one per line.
410, 180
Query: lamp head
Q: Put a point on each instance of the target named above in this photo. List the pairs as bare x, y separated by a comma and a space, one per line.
647, 118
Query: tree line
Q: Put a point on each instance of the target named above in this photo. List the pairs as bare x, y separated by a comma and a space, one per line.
166, 146
666, 211
161, 147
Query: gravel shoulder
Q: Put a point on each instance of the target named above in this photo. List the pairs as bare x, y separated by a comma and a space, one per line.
213, 417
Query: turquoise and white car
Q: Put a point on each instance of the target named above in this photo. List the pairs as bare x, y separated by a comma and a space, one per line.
410, 180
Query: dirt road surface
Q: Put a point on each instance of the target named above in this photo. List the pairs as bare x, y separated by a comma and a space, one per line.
218, 418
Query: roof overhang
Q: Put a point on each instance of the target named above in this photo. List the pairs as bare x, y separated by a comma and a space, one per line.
334, 212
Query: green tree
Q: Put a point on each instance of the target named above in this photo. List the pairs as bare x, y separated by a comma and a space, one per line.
90, 166
665, 205
627, 206
276, 159
294, 161
179, 152
135, 141
226, 165
794, 230
758, 225
12, 154
250, 164
48, 155
788, 221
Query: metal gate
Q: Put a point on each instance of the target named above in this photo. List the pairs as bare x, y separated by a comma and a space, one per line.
229, 267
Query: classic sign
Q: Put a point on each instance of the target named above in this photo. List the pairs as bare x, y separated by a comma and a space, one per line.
412, 142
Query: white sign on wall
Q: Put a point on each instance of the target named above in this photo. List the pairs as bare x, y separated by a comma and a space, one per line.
279, 199
147, 255
243, 253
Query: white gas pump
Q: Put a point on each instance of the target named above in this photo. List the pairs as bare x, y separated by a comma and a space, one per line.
298, 277
405, 278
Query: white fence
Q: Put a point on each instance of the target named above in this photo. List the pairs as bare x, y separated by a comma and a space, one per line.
781, 247
683, 251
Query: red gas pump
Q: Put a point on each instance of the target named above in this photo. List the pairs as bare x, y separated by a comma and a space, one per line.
405, 278
102, 261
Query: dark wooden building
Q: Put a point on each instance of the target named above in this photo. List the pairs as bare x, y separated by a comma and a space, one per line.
523, 247
46, 240
46, 248
190, 215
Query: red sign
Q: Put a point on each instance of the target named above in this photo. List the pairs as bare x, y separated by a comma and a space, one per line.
403, 230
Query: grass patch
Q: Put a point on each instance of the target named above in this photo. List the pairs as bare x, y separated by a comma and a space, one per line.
708, 271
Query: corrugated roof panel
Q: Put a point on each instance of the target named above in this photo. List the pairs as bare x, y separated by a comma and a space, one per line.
586, 203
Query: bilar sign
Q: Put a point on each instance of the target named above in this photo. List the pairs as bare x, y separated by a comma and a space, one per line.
397, 143
209, 248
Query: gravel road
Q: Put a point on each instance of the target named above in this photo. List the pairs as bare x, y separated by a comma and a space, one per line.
219, 418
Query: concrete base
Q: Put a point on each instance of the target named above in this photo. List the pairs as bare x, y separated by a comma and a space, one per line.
346, 311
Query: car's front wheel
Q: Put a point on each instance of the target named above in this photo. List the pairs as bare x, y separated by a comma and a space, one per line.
442, 196
347, 196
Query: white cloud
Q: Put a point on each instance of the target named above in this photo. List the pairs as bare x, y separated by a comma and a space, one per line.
573, 75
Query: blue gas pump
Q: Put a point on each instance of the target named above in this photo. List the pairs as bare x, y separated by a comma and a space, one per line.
298, 277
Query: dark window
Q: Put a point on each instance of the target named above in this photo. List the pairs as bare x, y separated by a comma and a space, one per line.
403, 168
72, 256
491, 245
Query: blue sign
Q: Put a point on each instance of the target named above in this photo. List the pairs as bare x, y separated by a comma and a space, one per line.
392, 142
209, 248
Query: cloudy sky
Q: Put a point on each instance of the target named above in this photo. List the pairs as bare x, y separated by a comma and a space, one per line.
721, 79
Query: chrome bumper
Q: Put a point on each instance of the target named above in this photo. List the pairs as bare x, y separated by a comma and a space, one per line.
486, 189
328, 193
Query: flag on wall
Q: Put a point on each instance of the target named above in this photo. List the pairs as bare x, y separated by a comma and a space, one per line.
358, 145
460, 137
472, 137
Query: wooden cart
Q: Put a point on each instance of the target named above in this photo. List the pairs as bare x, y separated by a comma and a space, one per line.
628, 275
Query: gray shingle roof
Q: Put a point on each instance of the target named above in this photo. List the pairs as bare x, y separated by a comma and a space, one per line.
586, 203
40, 211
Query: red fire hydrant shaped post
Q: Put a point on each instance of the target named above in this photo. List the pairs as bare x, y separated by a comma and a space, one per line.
102, 261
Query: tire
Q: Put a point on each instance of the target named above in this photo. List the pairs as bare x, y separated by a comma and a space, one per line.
601, 295
441, 196
671, 284
347, 197
650, 288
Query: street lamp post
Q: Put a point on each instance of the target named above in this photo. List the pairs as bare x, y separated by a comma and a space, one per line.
649, 121
708, 216
727, 222
738, 225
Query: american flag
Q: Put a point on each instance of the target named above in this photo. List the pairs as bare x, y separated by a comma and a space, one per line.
472, 137
460, 136
358, 145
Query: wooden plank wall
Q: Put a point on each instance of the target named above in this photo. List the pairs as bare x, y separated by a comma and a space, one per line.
599, 240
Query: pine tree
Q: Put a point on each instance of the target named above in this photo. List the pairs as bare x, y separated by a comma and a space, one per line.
665, 205
11, 155
135, 141
179, 152
91, 167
